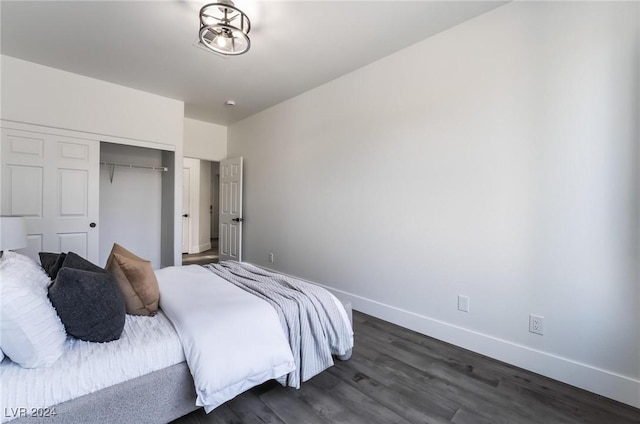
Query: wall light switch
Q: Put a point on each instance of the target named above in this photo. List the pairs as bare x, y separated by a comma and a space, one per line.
463, 303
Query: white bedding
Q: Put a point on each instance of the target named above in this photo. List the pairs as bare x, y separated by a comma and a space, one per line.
147, 344
232, 340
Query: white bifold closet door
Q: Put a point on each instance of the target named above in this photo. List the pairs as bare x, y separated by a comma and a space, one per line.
53, 181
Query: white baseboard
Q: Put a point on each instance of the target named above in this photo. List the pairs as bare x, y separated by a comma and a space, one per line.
615, 386
605, 383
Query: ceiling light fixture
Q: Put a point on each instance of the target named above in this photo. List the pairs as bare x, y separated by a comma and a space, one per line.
224, 28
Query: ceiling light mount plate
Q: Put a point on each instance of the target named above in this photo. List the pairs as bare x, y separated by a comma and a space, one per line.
224, 28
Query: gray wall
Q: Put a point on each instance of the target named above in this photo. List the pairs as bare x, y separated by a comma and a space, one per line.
497, 160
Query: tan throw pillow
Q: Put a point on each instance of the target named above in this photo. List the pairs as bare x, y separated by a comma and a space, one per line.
136, 279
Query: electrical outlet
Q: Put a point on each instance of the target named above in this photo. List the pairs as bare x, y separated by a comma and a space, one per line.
271, 257
536, 324
463, 303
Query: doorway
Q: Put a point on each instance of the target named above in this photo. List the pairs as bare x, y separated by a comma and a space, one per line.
200, 239
186, 209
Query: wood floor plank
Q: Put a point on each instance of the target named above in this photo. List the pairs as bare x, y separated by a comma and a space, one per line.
325, 381
440, 393
471, 393
574, 398
463, 416
401, 402
390, 371
192, 418
436, 351
398, 376
252, 410
585, 411
359, 317
416, 356
364, 406
326, 405
291, 409
221, 415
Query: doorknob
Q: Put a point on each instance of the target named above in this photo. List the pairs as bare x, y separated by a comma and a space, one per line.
92, 225
186, 215
237, 219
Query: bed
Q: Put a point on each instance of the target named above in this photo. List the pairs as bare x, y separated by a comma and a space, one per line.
150, 374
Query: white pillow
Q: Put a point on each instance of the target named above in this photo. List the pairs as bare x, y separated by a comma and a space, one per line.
32, 334
12, 257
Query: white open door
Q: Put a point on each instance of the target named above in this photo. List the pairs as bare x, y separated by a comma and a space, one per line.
230, 234
53, 181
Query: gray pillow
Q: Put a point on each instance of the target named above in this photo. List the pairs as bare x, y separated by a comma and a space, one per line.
75, 261
51, 263
89, 304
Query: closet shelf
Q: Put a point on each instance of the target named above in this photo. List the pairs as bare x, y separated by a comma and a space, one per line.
131, 166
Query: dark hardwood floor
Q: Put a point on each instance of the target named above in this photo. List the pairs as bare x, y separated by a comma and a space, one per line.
399, 376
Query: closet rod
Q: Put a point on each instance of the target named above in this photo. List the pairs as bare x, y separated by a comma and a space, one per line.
128, 165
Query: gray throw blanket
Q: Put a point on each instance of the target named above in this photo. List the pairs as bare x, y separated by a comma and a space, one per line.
308, 314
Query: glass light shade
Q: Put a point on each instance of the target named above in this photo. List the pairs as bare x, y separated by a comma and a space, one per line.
225, 39
224, 28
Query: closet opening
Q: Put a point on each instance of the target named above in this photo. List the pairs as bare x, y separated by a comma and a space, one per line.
136, 202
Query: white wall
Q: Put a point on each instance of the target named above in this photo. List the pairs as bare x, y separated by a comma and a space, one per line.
204, 140
46, 96
130, 205
498, 160
94, 109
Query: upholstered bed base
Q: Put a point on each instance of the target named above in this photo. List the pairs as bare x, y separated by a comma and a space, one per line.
158, 397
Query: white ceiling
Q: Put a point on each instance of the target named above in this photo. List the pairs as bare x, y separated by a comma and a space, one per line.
149, 45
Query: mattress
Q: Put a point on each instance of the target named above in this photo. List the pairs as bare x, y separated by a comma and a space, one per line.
147, 344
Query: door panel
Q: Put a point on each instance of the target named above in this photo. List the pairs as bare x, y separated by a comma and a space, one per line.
73, 242
230, 237
223, 237
25, 192
234, 197
234, 242
73, 192
27, 146
73, 151
34, 245
54, 182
